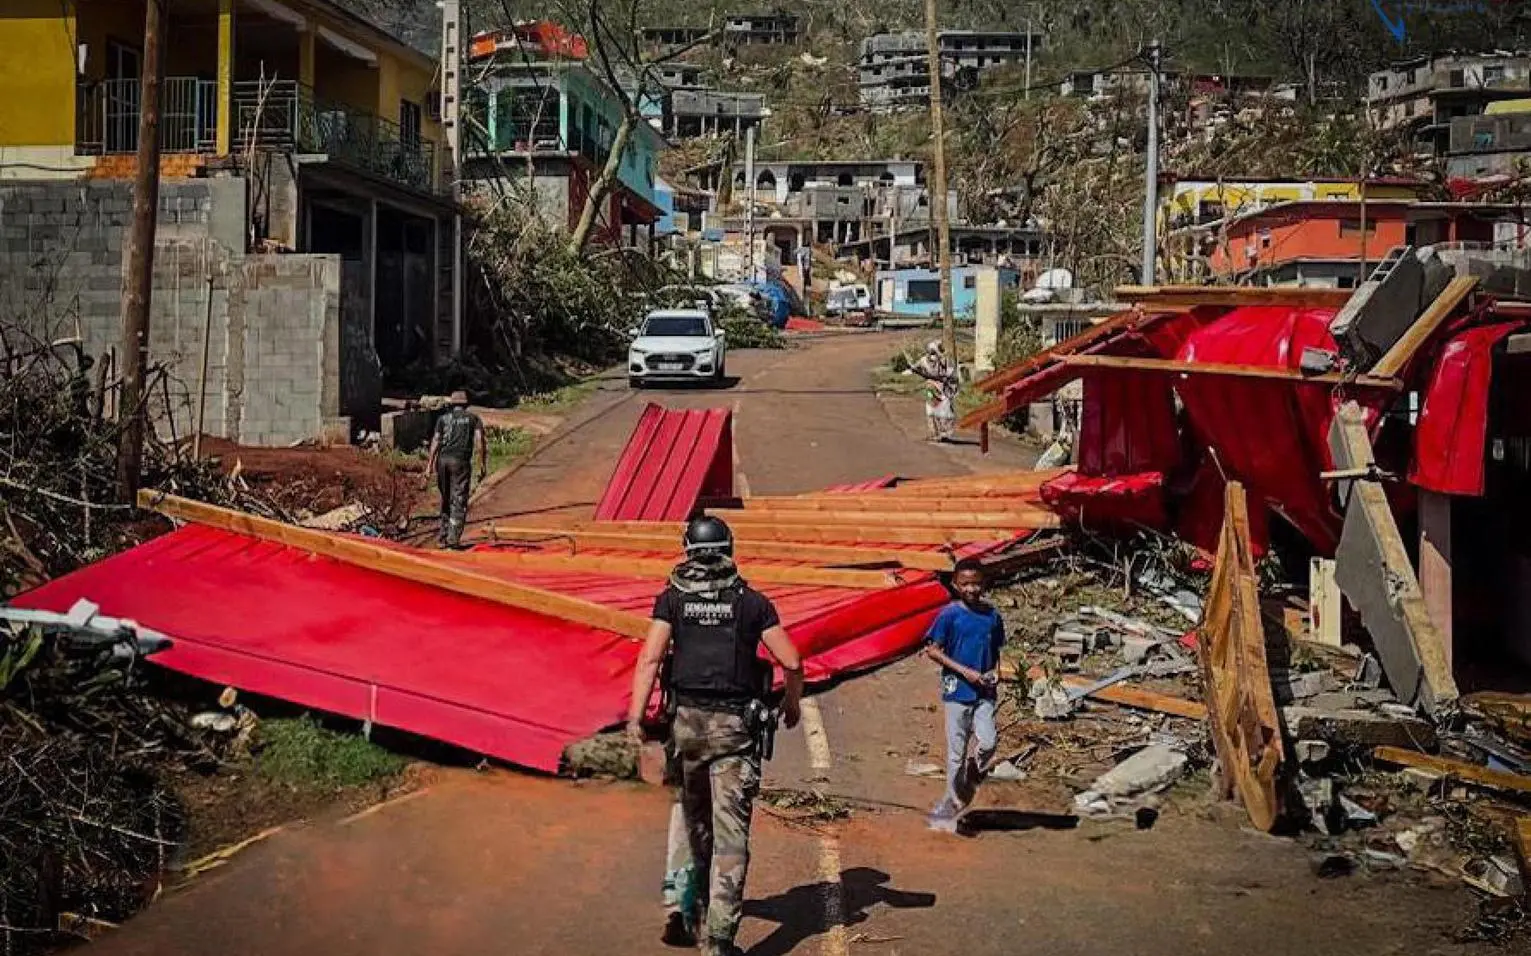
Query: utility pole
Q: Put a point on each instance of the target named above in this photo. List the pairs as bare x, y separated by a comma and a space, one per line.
451, 125
1151, 184
938, 181
749, 204
1028, 57
138, 264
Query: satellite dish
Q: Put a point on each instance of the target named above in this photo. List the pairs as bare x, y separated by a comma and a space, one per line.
1037, 296
1055, 279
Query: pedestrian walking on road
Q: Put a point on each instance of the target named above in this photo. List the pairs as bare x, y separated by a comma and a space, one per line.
722, 720
965, 640
940, 372
451, 461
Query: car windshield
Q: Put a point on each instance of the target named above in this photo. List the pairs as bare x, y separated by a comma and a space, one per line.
676, 326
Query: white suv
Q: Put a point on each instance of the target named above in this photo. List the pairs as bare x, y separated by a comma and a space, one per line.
676, 344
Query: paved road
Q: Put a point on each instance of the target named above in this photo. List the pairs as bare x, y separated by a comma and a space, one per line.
502, 862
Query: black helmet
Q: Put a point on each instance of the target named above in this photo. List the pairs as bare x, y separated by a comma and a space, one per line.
707, 535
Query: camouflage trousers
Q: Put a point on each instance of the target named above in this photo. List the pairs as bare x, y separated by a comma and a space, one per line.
720, 777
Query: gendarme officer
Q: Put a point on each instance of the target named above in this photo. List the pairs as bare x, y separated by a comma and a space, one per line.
719, 686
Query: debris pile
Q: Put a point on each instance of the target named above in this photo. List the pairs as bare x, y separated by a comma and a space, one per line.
87, 823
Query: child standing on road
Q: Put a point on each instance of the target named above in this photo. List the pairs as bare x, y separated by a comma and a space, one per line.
965, 640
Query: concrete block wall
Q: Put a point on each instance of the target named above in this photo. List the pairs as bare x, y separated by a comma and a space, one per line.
274, 333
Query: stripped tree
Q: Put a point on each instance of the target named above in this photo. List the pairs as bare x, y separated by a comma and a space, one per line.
618, 53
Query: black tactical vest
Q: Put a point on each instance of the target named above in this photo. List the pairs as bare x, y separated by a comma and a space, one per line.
713, 658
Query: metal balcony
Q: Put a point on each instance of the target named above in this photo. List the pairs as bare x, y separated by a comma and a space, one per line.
285, 114
106, 116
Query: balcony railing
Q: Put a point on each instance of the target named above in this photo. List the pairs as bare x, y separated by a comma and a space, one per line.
106, 116
287, 115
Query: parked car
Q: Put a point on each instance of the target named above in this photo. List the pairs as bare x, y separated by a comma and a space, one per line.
676, 345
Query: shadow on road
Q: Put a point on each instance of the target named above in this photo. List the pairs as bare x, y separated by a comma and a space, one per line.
802, 914
700, 385
975, 822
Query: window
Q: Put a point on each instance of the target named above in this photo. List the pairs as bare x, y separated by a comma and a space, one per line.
676, 326
924, 291
524, 117
1456, 79
970, 282
409, 123
1065, 329
846, 179
1352, 227
1493, 75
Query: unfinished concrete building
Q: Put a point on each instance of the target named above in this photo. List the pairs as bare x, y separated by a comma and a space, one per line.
701, 112
894, 69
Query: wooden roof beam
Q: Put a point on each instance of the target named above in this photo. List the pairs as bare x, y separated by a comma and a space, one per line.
1176, 367
1197, 295
407, 565
821, 555
660, 568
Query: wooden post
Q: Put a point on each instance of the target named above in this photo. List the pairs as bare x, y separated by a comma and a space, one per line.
138, 260
207, 334
225, 75
1435, 562
938, 180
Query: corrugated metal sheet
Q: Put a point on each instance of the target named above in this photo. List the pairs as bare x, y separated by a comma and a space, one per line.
512, 684
1449, 443
673, 459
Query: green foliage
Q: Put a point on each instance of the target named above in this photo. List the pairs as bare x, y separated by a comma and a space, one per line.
20, 647
1020, 334
748, 332
508, 444
301, 752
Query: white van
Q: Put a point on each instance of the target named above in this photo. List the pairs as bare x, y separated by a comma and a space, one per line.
845, 299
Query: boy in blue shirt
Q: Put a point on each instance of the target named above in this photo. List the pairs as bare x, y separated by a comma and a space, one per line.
965, 640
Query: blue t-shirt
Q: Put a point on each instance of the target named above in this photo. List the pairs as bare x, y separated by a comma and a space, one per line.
972, 639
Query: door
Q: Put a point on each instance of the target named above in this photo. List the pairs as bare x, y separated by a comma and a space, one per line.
124, 73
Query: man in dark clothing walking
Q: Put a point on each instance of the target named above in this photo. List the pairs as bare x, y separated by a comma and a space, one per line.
716, 624
451, 460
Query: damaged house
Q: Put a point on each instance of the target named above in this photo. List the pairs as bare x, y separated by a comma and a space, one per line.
305, 234
1387, 428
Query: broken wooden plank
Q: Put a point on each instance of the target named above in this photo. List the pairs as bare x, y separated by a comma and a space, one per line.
977, 486
1445, 305
821, 555
660, 568
1012, 559
1520, 838
1373, 569
814, 533
1000, 379
1003, 514
1227, 295
1176, 367
1141, 699
1323, 603
1246, 729
904, 504
1455, 769
398, 563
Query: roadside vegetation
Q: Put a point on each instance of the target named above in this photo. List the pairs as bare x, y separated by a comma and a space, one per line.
300, 751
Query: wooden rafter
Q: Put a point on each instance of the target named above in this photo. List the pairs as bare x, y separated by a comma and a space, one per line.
398, 563
824, 533
1176, 367
998, 380
1211, 295
1445, 305
1030, 517
659, 569
931, 505
745, 547
1456, 769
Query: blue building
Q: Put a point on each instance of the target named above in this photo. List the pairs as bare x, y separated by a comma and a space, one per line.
563, 118
917, 292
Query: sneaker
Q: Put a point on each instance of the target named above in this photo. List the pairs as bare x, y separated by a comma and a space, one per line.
943, 819
677, 932
717, 947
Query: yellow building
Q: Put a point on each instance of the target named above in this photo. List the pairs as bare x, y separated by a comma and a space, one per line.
301, 159
1195, 202
303, 74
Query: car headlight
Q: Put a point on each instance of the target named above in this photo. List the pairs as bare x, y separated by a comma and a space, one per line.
704, 353
634, 350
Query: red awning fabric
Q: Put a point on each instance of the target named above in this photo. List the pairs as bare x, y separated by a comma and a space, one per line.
1453, 421
674, 458
512, 684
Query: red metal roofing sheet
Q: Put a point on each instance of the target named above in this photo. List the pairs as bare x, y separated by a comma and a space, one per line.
1453, 421
509, 683
673, 459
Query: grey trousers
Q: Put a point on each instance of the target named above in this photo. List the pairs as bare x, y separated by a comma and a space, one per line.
966, 722
453, 479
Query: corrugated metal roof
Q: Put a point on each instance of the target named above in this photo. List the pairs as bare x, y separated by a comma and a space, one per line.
673, 458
